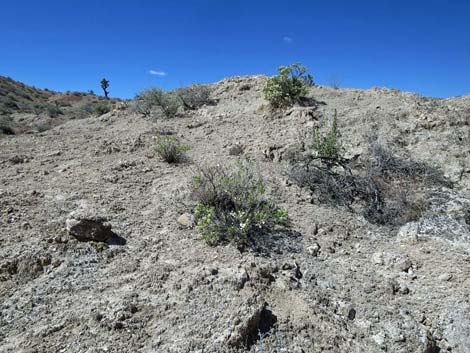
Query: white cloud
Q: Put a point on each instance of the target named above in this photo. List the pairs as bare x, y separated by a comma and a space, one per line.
287, 39
157, 73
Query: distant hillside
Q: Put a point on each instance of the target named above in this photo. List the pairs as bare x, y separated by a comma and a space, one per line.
18, 97
25, 108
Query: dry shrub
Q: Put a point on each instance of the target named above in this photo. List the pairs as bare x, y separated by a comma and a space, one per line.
194, 96
154, 99
389, 191
170, 149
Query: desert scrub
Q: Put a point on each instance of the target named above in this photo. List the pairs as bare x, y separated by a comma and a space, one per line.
101, 108
6, 126
170, 149
152, 99
327, 146
194, 96
231, 205
53, 110
288, 87
386, 189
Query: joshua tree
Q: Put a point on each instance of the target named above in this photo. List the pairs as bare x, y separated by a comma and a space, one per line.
104, 86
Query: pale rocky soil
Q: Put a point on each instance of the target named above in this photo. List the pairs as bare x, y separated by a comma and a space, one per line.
334, 283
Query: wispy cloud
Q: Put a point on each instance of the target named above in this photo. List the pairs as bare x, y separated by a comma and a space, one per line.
287, 39
157, 73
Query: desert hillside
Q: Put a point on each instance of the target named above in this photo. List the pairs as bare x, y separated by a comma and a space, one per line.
367, 262
26, 109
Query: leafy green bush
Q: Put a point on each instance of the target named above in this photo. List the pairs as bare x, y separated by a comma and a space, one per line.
195, 96
327, 146
101, 108
231, 205
286, 88
170, 149
167, 102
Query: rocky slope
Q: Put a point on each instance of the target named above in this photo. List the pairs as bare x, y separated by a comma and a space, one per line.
334, 282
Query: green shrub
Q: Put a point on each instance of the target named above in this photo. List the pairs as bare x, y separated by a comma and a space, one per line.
231, 205
10, 104
4, 110
53, 110
286, 88
167, 102
101, 108
6, 126
38, 108
147, 100
195, 96
170, 149
327, 146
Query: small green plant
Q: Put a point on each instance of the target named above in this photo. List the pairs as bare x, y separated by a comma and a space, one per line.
286, 88
231, 205
327, 146
167, 102
101, 108
170, 149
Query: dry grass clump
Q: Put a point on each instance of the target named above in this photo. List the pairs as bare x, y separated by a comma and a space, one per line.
170, 149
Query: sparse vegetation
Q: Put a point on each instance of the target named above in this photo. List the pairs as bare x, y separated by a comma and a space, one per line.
194, 96
101, 108
5, 126
43, 126
335, 81
231, 204
167, 103
53, 110
390, 166
16, 97
170, 149
327, 146
288, 87
370, 217
380, 190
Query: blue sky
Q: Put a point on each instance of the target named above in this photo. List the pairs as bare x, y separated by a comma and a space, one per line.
421, 46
